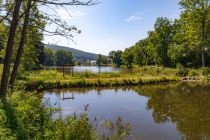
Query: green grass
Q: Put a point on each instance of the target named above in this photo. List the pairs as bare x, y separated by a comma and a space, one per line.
51, 79
1, 68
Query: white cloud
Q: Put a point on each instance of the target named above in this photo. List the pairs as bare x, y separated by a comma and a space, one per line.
134, 18
70, 14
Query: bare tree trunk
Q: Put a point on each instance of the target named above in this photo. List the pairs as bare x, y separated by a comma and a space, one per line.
9, 49
203, 38
21, 45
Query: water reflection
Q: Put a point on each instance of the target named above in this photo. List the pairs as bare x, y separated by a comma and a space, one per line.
186, 105
174, 112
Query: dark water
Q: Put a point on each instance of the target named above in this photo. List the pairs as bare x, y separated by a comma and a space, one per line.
170, 112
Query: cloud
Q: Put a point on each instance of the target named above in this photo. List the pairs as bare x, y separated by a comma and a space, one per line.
68, 15
134, 18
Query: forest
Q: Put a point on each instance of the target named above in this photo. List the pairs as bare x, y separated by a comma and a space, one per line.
175, 48
183, 41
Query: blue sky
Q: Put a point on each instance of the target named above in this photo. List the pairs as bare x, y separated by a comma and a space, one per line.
113, 24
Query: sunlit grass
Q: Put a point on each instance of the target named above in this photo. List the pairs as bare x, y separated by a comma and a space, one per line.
1, 68
52, 79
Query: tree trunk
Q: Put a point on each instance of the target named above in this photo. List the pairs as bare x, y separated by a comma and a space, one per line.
21, 45
9, 49
203, 38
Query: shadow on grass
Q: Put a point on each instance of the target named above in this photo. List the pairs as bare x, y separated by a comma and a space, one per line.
12, 122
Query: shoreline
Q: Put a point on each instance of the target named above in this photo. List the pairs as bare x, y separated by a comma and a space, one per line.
94, 83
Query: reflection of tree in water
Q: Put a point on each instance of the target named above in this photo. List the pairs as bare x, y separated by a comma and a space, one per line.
188, 106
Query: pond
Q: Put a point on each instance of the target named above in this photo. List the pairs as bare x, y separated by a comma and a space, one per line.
162, 112
93, 69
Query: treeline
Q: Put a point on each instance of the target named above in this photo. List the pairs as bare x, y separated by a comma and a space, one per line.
58, 58
103, 60
184, 41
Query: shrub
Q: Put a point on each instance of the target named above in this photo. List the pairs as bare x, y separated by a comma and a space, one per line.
24, 116
193, 72
181, 70
206, 71
116, 130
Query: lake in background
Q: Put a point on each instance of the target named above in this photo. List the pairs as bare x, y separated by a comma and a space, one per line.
170, 112
93, 69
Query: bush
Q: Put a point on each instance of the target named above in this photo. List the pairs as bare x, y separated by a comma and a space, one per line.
206, 71
24, 116
181, 70
193, 72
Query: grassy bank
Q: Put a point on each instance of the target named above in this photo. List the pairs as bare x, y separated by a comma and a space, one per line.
100, 82
51, 79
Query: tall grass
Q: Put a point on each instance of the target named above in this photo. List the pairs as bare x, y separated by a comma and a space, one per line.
51, 79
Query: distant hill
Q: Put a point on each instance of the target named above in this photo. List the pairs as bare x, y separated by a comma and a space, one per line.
78, 54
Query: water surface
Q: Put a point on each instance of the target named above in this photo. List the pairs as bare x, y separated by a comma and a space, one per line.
171, 112
94, 69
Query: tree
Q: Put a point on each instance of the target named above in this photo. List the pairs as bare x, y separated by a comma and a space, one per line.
115, 56
49, 57
199, 16
99, 60
140, 56
11, 15
2, 32
63, 57
9, 48
21, 44
163, 33
127, 57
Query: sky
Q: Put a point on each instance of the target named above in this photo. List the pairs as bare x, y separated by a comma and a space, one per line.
112, 24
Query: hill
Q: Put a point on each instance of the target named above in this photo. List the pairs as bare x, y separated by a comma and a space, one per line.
78, 54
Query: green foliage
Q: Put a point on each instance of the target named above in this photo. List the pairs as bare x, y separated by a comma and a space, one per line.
115, 56
182, 41
51, 79
116, 130
49, 57
63, 57
99, 60
206, 71
181, 70
127, 57
102, 60
24, 116
70, 128
78, 54
193, 73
